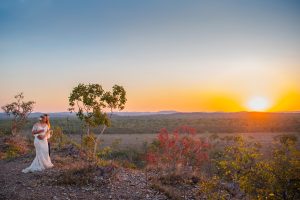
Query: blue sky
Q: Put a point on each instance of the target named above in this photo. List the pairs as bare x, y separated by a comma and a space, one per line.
170, 49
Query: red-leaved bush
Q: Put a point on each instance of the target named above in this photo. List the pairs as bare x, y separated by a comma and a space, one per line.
179, 150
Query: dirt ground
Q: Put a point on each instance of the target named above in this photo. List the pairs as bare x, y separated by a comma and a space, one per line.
127, 184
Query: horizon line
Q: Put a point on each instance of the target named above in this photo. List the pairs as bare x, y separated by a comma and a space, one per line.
171, 111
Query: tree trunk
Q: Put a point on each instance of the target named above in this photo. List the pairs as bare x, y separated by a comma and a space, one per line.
97, 140
14, 129
14, 132
88, 130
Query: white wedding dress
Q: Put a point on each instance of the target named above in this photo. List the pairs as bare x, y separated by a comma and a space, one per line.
42, 160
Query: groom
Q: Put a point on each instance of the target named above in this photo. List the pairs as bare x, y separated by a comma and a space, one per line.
48, 123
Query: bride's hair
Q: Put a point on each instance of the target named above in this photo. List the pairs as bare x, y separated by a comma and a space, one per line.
48, 121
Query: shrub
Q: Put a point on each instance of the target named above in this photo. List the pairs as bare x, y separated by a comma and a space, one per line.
242, 172
175, 160
5, 132
128, 158
212, 188
177, 152
88, 142
170, 192
58, 138
105, 152
80, 175
285, 167
84, 173
14, 146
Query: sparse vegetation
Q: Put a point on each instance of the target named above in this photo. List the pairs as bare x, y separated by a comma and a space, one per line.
14, 146
58, 139
19, 110
175, 160
128, 157
90, 101
79, 175
178, 151
242, 171
205, 123
180, 164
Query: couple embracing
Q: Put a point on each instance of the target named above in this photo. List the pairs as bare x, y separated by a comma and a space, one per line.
41, 133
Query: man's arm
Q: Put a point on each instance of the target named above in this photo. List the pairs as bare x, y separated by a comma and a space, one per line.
41, 137
35, 131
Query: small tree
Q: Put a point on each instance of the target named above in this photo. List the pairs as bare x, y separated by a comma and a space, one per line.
20, 110
94, 106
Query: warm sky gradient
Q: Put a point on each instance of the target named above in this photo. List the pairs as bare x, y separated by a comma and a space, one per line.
169, 55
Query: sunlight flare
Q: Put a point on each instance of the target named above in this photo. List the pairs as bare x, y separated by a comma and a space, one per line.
258, 104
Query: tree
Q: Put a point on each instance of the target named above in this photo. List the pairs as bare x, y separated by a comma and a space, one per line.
94, 106
20, 110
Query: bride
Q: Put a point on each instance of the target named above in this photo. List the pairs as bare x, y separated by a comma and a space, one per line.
42, 160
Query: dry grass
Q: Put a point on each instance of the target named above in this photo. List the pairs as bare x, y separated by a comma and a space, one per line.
14, 146
138, 141
81, 174
169, 191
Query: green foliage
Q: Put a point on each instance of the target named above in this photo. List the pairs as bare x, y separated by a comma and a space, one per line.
20, 111
12, 152
4, 132
238, 158
105, 152
212, 188
242, 170
88, 142
102, 163
89, 102
58, 138
285, 168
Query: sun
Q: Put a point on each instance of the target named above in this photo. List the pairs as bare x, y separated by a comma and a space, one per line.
258, 104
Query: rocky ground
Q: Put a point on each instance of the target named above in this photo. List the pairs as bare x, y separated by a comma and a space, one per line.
124, 184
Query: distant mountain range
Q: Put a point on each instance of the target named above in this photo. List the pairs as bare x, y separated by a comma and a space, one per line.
165, 112
37, 114
68, 114
168, 112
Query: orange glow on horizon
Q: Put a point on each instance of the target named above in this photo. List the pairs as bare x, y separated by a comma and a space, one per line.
258, 104
205, 99
214, 102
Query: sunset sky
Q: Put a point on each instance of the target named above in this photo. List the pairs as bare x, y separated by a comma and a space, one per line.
233, 55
